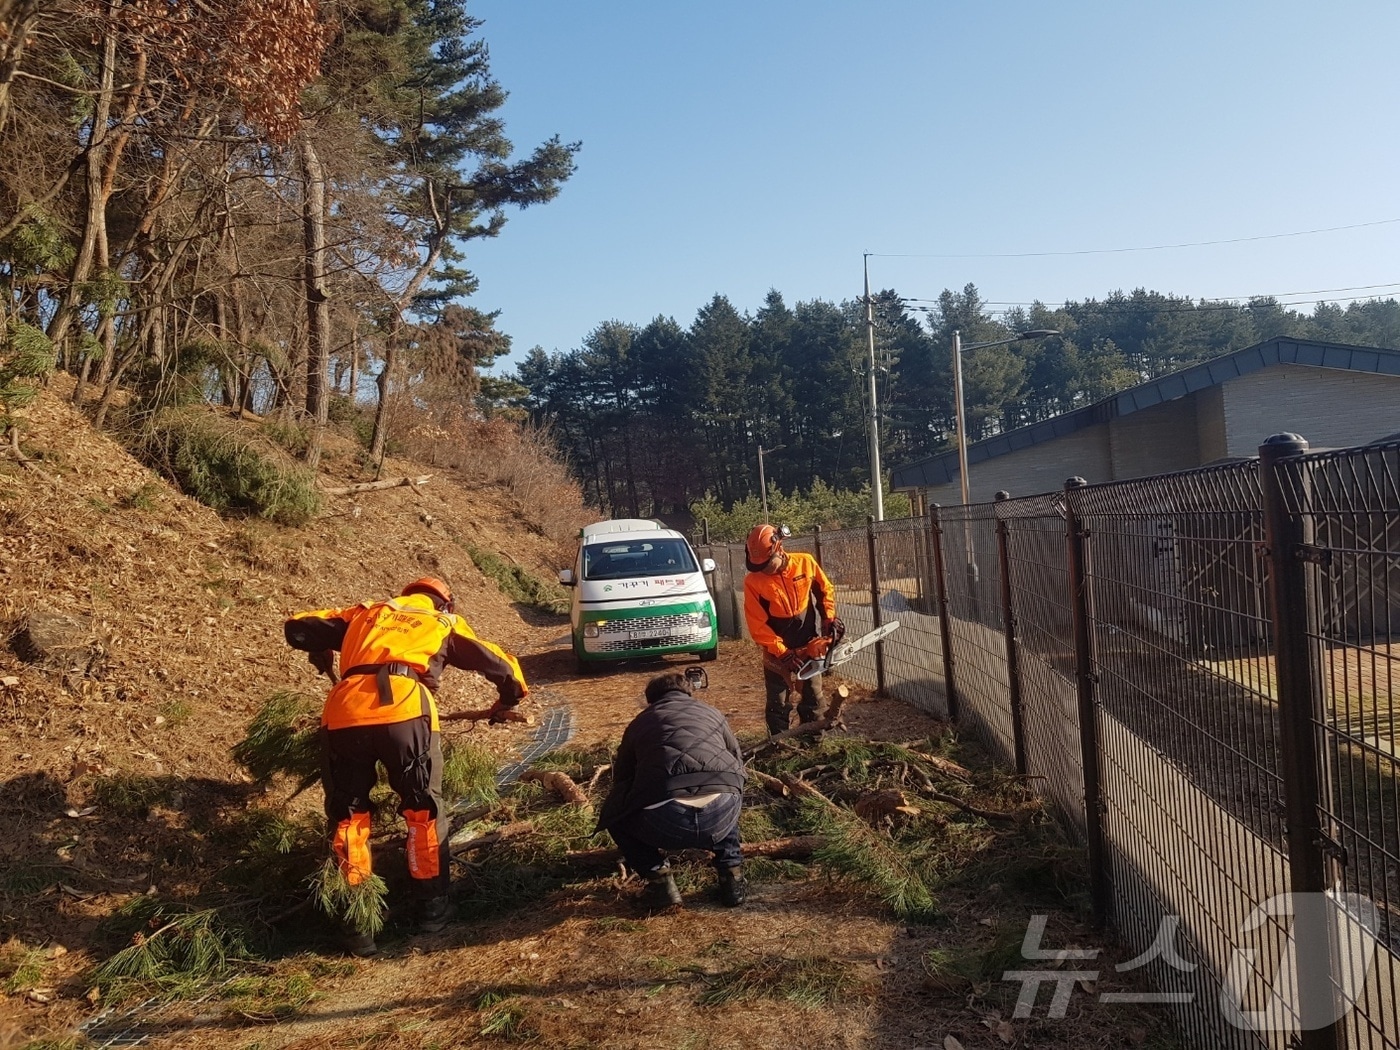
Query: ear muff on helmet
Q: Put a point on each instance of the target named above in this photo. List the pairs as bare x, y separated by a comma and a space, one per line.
432, 586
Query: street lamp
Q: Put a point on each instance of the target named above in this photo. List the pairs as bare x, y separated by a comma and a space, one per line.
763, 484
958, 348
877, 487
973, 574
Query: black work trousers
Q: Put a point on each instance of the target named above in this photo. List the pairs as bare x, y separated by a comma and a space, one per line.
777, 710
412, 757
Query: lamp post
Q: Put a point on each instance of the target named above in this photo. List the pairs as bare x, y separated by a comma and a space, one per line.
1037, 333
958, 348
762, 482
877, 487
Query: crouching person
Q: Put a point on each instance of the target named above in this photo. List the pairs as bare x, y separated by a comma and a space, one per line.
382, 710
678, 783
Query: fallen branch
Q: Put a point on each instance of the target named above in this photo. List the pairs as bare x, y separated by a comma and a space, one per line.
830, 719
519, 829
509, 715
946, 766
561, 784
799, 847
371, 486
985, 814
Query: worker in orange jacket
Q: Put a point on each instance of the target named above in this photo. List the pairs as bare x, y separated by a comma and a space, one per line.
784, 595
392, 653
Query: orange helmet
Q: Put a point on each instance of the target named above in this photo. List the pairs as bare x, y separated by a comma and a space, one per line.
763, 542
432, 586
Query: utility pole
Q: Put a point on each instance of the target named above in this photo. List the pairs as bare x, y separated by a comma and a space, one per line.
877, 488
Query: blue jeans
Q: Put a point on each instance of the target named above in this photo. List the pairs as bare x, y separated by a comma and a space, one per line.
644, 836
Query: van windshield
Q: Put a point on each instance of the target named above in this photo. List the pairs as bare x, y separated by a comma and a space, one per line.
628, 559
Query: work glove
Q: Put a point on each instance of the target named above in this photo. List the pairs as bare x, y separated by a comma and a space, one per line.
835, 630
792, 660
323, 660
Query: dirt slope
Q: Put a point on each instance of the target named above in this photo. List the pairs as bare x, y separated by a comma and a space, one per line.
181, 613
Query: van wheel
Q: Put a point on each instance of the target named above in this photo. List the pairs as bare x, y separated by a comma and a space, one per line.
709, 654
582, 666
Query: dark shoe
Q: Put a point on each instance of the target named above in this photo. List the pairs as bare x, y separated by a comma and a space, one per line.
434, 914
660, 893
733, 887
360, 945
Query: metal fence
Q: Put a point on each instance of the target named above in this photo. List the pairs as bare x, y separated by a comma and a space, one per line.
1199, 672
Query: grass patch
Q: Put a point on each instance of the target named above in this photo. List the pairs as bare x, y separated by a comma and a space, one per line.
21, 967
176, 712
808, 981
517, 584
269, 999
143, 498
131, 795
502, 1017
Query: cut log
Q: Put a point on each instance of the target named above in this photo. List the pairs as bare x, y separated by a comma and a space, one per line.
371, 486
561, 784
879, 806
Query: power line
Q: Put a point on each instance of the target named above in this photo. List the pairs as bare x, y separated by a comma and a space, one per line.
1141, 248
1206, 303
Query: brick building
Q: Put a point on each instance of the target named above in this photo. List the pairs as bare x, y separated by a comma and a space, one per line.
1335, 396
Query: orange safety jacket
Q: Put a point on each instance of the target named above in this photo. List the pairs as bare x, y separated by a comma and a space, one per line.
781, 609
392, 654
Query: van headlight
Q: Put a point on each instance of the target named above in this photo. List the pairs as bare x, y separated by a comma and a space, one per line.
702, 618
590, 630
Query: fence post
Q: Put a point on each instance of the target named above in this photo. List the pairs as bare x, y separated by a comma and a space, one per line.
705, 531
945, 627
1008, 619
736, 584
1292, 591
875, 605
1086, 679
817, 547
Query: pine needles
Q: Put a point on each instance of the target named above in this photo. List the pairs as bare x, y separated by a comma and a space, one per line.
282, 738
468, 774
361, 908
177, 948
868, 855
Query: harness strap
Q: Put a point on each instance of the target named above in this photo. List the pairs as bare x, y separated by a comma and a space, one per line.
381, 674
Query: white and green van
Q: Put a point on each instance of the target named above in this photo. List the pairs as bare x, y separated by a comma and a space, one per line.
639, 591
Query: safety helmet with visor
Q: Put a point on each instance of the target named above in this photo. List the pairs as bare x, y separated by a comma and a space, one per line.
764, 541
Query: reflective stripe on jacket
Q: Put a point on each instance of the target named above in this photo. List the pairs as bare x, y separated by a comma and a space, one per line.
781, 609
408, 631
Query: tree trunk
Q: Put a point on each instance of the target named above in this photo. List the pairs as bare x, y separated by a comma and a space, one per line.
95, 222
318, 309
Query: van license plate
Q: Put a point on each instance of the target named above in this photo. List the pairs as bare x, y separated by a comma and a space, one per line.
637, 636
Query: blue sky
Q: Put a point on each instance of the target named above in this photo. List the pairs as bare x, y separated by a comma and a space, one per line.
735, 147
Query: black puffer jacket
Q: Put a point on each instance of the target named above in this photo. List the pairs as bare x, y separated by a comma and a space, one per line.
677, 747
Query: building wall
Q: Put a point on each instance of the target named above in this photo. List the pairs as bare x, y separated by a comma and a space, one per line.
1329, 407
1210, 424
1156, 440
1040, 468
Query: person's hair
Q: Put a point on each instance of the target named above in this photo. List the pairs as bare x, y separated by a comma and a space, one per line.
670, 682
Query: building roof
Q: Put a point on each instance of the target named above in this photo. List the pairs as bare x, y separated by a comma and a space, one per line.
942, 469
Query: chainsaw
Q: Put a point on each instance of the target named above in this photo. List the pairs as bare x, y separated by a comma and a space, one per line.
843, 651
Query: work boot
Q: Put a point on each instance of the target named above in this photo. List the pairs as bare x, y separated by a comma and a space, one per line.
434, 913
733, 887
360, 945
660, 892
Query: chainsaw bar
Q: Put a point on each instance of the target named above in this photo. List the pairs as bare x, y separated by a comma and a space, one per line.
839, 654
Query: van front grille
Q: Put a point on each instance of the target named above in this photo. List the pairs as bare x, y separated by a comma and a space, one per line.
648, 632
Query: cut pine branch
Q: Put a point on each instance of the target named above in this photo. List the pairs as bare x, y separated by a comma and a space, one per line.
561, 784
